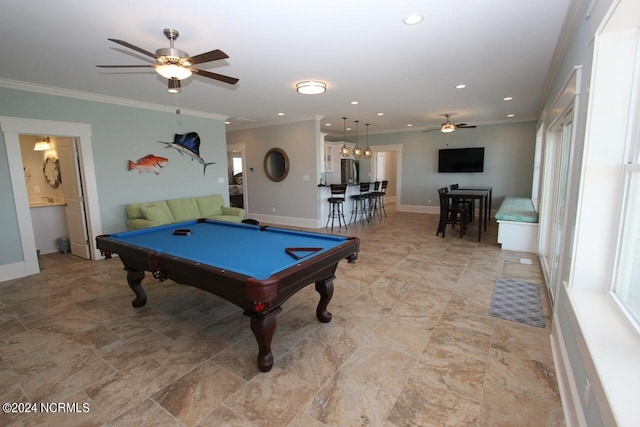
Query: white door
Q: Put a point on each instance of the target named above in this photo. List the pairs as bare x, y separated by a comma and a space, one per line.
72, 187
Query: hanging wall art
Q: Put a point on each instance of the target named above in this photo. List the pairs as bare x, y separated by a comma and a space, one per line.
148, 163
188, 144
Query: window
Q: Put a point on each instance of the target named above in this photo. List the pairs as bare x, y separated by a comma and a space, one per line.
627, 284
237, 165
626, 287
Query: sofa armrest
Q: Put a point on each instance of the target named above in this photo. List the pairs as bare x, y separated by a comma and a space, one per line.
239, 212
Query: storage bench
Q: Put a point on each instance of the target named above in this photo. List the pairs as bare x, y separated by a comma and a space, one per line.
517, 225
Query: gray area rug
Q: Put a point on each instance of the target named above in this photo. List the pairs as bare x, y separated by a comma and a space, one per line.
517, 301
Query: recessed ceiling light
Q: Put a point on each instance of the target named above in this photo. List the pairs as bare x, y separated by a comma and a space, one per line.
354, 102
511, 115
327, 124
461, 86
409, 125
380, 114
348, 128
508, 98
281, 114
413, 19
227, 122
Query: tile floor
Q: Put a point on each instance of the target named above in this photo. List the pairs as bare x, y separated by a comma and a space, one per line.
410, 344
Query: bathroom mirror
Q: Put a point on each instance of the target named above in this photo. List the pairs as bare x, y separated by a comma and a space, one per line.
51, 171
276, 164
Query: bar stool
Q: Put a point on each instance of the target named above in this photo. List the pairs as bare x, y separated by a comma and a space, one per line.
336, 201
380, 198
374, 199
361, 203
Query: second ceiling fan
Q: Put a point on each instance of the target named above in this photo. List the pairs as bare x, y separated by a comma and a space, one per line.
448, 126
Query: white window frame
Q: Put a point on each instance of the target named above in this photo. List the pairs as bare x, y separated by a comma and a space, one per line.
612, 343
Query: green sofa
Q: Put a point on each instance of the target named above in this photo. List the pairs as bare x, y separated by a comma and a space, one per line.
151, 214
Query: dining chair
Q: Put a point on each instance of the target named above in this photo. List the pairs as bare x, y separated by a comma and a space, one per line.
451, 213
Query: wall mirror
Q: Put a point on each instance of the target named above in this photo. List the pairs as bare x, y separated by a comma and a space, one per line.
276, 164
51, 171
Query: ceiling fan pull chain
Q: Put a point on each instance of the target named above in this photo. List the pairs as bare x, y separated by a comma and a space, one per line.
178, 103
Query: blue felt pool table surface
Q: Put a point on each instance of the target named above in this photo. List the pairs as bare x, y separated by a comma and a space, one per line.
242, 248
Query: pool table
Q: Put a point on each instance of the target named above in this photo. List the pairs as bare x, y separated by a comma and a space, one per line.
254, 267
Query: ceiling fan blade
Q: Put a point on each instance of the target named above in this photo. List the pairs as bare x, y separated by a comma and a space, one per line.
127, 66
214, 55
465, 126
431, 130
220, 77
134, 47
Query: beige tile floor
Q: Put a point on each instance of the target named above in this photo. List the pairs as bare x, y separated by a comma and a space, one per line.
410, 344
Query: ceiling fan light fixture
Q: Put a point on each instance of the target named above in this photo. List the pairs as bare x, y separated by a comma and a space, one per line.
447, 128
311, 87
170, 71
42, 144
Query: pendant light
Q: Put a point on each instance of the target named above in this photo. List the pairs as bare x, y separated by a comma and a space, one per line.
357, 151
344, 150
367, 151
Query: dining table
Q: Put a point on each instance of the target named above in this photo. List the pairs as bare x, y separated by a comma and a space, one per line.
483, 196
481, 188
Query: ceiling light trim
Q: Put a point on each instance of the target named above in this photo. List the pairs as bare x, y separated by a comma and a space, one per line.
311, 87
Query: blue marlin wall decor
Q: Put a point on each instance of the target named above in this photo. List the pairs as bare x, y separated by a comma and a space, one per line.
189, 144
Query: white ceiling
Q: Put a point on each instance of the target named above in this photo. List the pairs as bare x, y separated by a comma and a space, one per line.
360, 48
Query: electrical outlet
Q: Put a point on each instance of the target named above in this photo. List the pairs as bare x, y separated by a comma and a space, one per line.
429, 202
273, 210
36, 189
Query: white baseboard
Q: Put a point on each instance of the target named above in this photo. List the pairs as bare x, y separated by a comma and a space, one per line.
569, 395
15, 271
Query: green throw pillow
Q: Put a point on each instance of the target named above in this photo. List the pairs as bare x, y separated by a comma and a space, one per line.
155, 214
184, 209
210, 205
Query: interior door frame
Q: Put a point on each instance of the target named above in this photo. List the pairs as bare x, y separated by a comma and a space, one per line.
397, 148
11, 128
566, 103
242, 149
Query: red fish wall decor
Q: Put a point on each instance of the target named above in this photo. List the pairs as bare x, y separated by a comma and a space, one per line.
148, 163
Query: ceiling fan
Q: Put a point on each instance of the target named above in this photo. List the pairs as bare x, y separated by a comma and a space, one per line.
448, 127
175, 64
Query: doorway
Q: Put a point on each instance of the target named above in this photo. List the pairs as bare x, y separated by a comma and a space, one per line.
236, 163
12, 128
387, 165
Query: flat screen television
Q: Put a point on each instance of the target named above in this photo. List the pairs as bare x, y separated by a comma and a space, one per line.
461, 160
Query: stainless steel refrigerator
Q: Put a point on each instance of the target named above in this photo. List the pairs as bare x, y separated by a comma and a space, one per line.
349, 171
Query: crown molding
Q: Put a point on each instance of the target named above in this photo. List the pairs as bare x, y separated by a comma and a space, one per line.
87, 96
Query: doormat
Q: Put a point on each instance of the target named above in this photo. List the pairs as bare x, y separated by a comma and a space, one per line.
518, 301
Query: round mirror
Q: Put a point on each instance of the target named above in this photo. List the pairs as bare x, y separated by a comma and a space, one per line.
51, 171
276, 164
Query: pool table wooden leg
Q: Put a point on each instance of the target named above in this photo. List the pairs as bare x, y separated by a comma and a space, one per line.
263, 328
325, 289
134, 277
